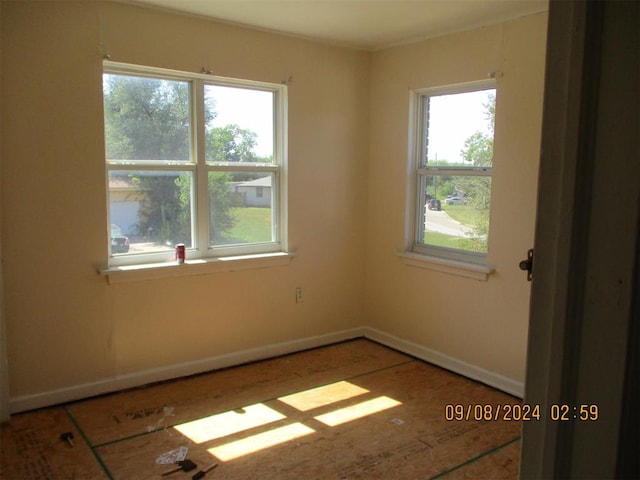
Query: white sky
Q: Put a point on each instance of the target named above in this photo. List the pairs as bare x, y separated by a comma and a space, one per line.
453, 118
250, 109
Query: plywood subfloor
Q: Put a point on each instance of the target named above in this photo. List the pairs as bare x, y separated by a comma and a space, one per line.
31, 448
355, 410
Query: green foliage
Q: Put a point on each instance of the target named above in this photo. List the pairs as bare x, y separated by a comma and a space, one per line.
478, 150
221, 202
146, 118
478, 194
231, 144
164, 214
440, 186
150, 119
490, 112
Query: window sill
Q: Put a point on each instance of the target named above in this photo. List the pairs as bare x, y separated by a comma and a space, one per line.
149, 271
452, 267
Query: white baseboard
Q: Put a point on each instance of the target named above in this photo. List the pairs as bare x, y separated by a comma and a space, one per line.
487, 377
132, 380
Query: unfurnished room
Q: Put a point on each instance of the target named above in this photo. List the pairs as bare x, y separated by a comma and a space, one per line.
319, 239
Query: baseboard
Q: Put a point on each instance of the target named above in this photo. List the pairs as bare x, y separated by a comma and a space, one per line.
487, 377
131, 380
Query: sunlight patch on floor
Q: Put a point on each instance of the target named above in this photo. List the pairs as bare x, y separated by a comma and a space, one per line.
228, 423
354, 412
321, 396
261, 441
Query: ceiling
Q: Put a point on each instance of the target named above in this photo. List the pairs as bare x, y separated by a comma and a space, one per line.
363, 24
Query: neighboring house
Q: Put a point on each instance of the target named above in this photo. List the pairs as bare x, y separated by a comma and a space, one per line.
125, 198
255, 193
124, 204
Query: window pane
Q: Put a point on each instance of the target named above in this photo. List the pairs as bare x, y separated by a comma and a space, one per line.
460, 129
146, 118
149, 211
241, 207
239, 125
457, 212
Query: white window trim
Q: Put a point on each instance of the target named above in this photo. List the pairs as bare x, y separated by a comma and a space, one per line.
202, 266
456, 262
445, 265
201, 255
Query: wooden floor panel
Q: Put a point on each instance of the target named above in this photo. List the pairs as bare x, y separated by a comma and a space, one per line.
502, 464
132, 412
32, 449
355, 410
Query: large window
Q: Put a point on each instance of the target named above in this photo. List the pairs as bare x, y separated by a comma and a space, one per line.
192, 159
453, 150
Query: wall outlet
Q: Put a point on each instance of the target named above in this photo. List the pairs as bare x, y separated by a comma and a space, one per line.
299, 298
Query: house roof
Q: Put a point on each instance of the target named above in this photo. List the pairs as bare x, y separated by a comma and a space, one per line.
121, 183
258, 182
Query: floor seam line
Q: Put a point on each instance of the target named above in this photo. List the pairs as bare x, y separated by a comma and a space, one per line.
131, 437
388, 367
476, 458
87, 442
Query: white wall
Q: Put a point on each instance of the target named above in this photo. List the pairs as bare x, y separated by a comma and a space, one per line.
67, 328
481, 323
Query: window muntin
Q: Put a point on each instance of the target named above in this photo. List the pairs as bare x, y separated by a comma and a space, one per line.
454, 152
186, 155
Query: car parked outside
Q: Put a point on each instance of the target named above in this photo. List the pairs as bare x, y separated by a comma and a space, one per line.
119, 241
455, 201
434, 204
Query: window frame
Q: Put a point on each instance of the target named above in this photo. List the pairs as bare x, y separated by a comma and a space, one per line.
202, 249
419, 171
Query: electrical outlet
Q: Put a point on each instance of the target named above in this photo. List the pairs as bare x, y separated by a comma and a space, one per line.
299, 298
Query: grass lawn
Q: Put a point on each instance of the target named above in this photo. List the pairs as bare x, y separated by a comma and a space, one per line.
251, 225
442, 240
461, 213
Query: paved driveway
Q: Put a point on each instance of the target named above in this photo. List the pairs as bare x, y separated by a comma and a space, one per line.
441, 222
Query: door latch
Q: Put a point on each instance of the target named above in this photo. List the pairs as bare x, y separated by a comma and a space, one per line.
528, 264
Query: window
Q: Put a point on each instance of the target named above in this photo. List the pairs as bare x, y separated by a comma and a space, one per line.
453, 157
192, 159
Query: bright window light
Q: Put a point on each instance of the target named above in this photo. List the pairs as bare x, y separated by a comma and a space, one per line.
227, 423
354, 412
326, 395
194, 160
452, 136
260, 441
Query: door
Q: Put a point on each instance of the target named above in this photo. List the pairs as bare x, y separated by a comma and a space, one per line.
582, 350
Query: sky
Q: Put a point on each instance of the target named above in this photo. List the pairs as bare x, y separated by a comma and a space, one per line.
453, 118
250, 109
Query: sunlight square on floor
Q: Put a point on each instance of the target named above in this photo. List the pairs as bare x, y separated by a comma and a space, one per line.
261, 441
227, 423
325, 395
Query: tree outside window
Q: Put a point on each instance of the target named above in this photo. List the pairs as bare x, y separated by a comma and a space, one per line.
155, 157
454, 171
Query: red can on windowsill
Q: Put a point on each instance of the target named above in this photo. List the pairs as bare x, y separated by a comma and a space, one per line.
181, 253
